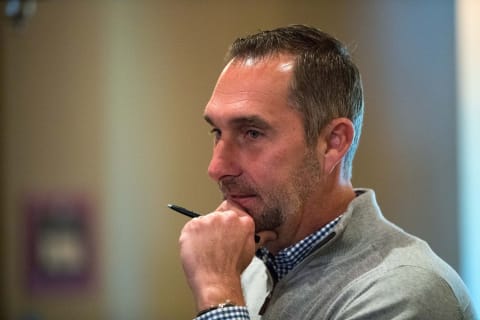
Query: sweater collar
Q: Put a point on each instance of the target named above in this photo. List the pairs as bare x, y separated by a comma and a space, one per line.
286, 259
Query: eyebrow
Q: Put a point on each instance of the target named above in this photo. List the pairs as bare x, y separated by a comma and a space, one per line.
244, 121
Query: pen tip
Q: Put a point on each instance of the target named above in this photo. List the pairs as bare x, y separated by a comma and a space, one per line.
169, 205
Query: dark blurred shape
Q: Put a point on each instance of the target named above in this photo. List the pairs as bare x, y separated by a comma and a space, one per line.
59, 243
20, 10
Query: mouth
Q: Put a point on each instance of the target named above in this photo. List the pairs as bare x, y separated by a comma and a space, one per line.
245, 201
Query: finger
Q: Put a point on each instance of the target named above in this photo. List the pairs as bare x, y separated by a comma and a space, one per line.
230, 206
223, 206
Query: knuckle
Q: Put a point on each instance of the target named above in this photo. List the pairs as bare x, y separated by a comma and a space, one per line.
248, 221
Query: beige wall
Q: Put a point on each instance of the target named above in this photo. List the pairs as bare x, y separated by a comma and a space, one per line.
105, 97
54, 116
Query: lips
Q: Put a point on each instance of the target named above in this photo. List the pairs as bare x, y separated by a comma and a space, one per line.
238, 191
245, 201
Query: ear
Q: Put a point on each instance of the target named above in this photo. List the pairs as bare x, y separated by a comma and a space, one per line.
336, 139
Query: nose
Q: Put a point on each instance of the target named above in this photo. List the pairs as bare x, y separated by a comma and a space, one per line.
224, 161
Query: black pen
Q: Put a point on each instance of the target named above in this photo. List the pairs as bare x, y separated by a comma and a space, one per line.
192, 214
184, 211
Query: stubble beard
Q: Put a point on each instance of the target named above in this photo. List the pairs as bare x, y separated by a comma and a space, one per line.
279, 202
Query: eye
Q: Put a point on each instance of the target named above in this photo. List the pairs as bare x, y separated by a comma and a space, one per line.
253, 134
216, 133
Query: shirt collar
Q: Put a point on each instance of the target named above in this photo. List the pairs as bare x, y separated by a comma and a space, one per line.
280, 264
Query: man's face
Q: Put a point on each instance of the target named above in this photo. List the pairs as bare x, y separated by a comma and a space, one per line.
260, 157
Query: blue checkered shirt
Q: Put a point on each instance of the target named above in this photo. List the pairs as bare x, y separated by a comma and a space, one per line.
278, 266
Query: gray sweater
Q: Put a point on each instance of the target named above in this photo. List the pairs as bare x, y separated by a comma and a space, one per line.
370, 269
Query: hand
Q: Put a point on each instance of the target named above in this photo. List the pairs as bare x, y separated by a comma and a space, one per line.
215, 249
263, 236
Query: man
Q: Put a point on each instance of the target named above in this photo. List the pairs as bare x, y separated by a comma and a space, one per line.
286, 118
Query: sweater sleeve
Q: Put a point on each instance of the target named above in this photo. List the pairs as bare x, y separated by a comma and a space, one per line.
405, 292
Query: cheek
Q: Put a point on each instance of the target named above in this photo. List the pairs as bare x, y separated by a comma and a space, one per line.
276, 169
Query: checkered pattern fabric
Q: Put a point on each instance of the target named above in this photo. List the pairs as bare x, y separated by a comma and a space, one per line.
280, 264
226, 313
289, 257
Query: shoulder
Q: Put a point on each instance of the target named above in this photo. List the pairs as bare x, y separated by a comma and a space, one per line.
403, 292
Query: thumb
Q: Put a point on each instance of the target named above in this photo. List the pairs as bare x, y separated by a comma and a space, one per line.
264, 237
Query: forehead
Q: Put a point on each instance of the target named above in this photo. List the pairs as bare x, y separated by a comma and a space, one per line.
252, 88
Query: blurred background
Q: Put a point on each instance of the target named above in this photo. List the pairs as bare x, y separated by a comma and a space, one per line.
101, 126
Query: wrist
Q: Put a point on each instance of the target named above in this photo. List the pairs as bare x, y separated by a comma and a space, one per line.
222, 305
211, 296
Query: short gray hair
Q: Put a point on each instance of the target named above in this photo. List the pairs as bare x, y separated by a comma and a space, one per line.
326, 83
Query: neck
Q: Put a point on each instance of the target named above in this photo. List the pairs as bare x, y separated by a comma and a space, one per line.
321, 207
324, 207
